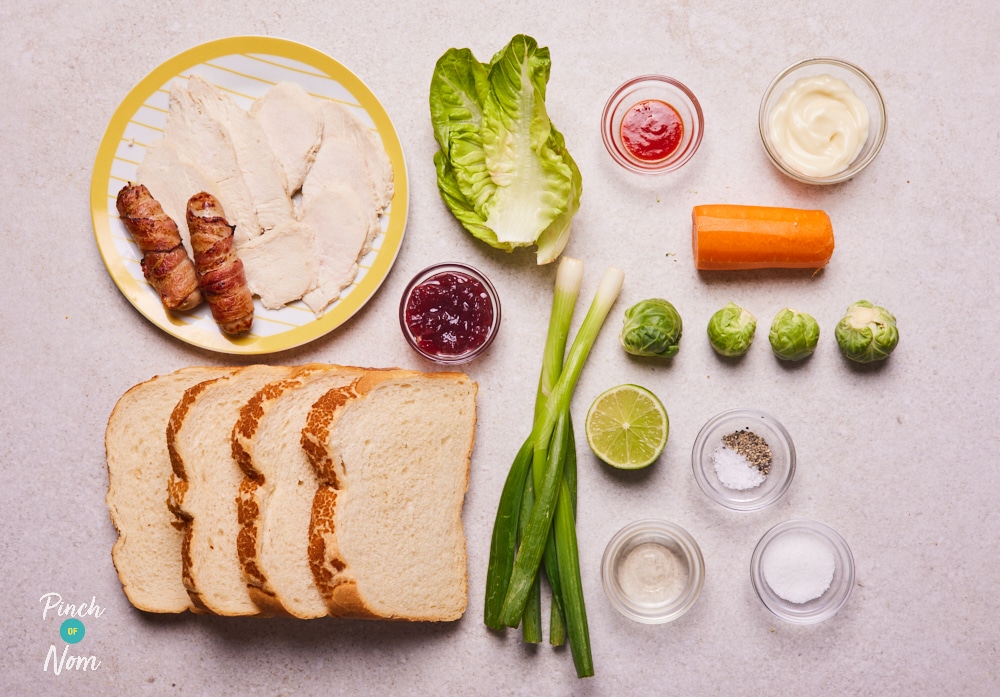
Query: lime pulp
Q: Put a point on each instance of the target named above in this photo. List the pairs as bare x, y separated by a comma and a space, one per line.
627, 427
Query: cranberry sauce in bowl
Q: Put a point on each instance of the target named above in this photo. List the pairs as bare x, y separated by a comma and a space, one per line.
449, 313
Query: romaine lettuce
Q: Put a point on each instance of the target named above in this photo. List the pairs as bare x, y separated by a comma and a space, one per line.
503, 169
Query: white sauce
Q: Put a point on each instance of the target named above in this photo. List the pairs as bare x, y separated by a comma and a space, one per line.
651, 574
819, 126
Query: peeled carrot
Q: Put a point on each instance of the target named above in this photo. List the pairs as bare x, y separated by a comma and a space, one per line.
728, 237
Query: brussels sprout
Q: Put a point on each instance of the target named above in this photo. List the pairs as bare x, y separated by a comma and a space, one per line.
652, 328
867, 332
793, 335
731, 330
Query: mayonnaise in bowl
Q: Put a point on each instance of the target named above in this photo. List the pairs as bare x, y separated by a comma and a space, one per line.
818, 126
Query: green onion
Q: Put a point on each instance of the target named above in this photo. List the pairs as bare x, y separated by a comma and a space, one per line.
572, 585
532, 544
504, 542
569, 276
535, 524
557, 618
531, 616
559, 398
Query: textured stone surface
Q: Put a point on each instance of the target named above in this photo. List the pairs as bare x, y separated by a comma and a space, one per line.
900, 459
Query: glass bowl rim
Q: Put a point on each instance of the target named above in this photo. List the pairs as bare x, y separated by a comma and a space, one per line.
666, 165
699, 455
838, 597
855, 167
692, 554
431, 271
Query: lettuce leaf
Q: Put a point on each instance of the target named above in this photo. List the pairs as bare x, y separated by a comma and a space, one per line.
503, 169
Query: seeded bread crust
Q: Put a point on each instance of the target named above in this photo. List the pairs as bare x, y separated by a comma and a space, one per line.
203, 552
333, 571
329, 569
387, 452
257, 493
178, 485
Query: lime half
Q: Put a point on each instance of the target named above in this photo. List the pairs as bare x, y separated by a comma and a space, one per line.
627, 427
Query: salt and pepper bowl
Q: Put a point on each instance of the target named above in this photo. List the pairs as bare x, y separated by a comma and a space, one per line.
782, 467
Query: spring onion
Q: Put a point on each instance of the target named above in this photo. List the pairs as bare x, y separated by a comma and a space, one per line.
531, 617
535, 526
504, 542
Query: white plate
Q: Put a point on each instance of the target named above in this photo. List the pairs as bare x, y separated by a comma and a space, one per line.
245, 67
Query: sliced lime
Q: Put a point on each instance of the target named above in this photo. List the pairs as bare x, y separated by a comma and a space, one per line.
627, 427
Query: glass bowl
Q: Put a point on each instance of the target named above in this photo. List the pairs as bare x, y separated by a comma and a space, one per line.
864, 87
801, 536
778, 479
660, 88
425, 348
652, 571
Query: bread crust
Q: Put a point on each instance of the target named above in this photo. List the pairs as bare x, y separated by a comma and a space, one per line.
126, 472
248, 509
261, 590
331, 571
317, 432
341, 591
180, 484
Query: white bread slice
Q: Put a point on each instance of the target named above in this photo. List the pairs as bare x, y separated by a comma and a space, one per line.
392, 456
276, 495
205, 484
147, 553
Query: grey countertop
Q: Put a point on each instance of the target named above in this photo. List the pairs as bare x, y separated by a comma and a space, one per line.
900, 459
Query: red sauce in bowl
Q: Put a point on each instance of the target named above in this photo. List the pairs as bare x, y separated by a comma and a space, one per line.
651, 130
449, 314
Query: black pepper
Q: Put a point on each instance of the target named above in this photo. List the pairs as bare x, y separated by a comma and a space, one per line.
751, 446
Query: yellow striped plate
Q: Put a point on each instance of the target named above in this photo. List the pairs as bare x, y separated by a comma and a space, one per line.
245, 67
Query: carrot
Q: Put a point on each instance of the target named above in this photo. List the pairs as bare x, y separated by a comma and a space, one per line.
728, 237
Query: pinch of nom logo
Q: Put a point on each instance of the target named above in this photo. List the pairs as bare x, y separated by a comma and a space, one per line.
71, 631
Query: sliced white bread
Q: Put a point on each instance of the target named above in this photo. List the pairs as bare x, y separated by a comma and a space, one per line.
147, 553
205, 483
392, 453
276, 495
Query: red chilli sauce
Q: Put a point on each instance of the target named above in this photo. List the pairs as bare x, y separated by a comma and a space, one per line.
652, 130
449, 314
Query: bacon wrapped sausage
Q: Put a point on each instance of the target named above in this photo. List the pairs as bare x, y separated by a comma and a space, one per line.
219, 269
165, 263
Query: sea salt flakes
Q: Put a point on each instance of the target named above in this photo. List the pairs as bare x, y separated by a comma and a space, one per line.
735, 471
798, 567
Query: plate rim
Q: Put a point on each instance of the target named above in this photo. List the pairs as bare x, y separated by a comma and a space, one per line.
146, 303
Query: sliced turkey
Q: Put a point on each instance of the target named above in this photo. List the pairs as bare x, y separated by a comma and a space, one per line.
342, 223
293, 123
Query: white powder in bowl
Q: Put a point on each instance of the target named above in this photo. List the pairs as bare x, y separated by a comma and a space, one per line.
798, 567
734, 470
